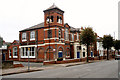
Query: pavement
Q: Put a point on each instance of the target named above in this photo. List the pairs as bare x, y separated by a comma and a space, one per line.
24, 69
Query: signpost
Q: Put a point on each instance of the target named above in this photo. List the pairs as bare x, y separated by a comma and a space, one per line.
28, 59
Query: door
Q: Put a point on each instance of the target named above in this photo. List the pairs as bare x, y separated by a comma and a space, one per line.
78, 54
60, 54
91, 54
3, 57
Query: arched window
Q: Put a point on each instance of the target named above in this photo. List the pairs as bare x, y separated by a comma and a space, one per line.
66, 34
52, 19
47, 20
32, 35
60, 20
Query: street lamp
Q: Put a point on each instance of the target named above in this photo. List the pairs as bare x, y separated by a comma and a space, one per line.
28, 59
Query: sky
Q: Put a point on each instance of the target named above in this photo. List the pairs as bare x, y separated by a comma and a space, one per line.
101, 15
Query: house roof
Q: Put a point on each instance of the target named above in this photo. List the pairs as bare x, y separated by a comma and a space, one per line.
34, 27
53, 7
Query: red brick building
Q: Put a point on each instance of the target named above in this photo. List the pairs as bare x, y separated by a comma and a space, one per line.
13, 51
49, 40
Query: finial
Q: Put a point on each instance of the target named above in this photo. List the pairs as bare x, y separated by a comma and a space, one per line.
54, 4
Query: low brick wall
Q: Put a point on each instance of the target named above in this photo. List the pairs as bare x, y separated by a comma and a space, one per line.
7, 64
48, 62
96, 58
18, 65
83, 59
67, 61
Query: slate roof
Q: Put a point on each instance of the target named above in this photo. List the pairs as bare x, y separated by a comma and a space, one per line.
34, 27
72, 29
53, 7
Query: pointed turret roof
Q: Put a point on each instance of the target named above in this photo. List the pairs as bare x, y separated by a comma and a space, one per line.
53, 7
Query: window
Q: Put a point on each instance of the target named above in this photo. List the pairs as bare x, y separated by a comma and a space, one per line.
9, 53
49, 33
52, 20
66, 34
78, 47
83, 54
47, 20
60, 20
23, 36
24, 53
77, 36
72, 37
59, 33
32, 35
15, 52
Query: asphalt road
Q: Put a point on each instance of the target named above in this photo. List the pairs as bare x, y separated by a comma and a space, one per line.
102, 69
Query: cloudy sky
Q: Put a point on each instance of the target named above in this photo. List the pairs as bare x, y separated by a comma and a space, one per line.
16, 15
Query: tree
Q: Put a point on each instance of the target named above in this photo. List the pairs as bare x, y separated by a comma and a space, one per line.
117, 45
87, 37
107, 43
1, 41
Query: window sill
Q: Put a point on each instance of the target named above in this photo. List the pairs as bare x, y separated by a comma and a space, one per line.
27, 56
32, 39
24, 40
15, 57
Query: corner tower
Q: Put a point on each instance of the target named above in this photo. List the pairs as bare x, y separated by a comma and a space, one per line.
53, 16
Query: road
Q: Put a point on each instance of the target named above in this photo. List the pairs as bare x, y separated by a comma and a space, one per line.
102, 69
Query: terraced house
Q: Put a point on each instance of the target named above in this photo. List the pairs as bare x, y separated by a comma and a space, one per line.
51, 39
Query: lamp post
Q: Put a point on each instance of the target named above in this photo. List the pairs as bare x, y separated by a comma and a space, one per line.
28, 59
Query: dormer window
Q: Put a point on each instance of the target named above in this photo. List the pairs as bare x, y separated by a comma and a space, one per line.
32, 35
24, 36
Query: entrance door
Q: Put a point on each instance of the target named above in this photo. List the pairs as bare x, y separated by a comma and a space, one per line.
60, 54
91, 54
3, 57
78, 54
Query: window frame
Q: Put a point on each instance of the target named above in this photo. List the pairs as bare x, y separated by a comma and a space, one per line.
30, 54
15, 51
49, 35
32, 35
66, 34
10, 53
24, 36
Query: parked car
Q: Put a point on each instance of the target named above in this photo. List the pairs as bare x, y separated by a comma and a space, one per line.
117, 57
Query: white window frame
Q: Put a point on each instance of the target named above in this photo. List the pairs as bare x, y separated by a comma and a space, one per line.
59, 34
24, 38
72, 37
10, 53
30, 54
66, 34
77, 36
14, 51
32, 35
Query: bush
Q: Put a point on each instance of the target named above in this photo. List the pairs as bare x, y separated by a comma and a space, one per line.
60, 59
